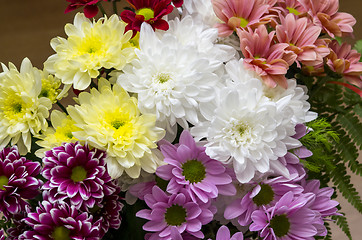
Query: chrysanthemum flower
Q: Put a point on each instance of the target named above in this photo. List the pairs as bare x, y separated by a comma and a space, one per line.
61, 131
149, 11
90, 7
22, 112
17, 181
291, 6
302, 37
2, 234
88, 48
202, 11
18, 227
238, 14
59, 221
177, 212
288, 219
50, 87
175, 85
325, 15
224, 234
77, 174
269, 60
110, 120
345, 61
189, 167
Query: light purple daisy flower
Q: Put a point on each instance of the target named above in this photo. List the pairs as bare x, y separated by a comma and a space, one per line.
77, 174
177, 212
17, 181
224, 234
59, 221
189, 167
264, 194
290, 218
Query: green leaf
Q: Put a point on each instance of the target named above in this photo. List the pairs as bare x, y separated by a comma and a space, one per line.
342, 223
358, 47
353, 125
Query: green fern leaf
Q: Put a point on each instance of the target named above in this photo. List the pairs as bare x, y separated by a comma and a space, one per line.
342, 223
353, 125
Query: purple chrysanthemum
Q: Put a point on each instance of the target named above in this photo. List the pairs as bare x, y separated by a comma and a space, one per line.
19, 226
176, 212
189, 167
290, 218
2, 234
77, 174
265, 194
55, 221
224, 234
17, 181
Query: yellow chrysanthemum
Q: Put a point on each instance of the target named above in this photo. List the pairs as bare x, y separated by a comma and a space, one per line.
22, 112
50, 86
89, 47
62, 131
110, 120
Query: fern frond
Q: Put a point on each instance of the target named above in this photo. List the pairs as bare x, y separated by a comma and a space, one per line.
342, 223
353, 125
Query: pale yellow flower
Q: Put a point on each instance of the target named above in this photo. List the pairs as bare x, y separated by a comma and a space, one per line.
88, 48
50, 87
110, 120
22, 112
61, 131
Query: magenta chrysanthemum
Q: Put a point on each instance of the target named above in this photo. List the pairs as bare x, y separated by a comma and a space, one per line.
177, 213
2, 235
19, 226
17, 181
59, 221
77, 174
189, 167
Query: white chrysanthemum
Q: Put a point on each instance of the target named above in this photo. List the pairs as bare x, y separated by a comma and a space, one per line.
22, 111
203, 10
110, 120
247, 130
88, 48
171, 80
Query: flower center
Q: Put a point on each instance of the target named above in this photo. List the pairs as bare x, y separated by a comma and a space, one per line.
280, 225
161, 183
148, 13
163, 77
117, 124
78, 174
175, 215
61, 233
3, 181
293, 10
194, 171
243, 22
265, 196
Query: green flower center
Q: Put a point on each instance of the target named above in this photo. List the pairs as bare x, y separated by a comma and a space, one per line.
194, 171
243, 22
280, 225
61, 233
44, 93
3, 181
293, 10
163, 77
17, 107
148, 13
69, 135
265, 196
78, 174
117, 124
175, 215
161, 183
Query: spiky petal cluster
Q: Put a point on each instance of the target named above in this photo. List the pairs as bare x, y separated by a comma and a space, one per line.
76, 174
17, 181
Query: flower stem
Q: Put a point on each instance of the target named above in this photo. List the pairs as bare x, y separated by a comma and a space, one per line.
101, 8
115, 10
62, 107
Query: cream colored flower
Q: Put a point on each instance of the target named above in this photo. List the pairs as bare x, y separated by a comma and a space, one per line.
50, 87
22, 112
110, 121
88, 48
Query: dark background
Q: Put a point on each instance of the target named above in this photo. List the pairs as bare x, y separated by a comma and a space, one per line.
27, 26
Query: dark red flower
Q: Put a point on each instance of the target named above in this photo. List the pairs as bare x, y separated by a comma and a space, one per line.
90, 7
149, 11
177, 3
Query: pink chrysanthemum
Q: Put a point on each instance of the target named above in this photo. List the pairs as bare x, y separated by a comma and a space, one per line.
224, 234
189, 167
17, 181
270, 61
239, 14
59, 221
291, 6
90, 7
77, 174
324, 14
176, 212
149, 11
302, 37
265, 194
288, 219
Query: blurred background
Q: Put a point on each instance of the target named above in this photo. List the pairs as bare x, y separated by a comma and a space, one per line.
28, 26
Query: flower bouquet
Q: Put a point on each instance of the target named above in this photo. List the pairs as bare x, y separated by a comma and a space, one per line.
193, 119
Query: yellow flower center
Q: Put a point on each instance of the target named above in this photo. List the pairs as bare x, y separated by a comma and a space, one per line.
3, 181
13, 107
50, 88
64, 133
293, 10
120, 122
91, 44
148, 13
61, 233
78, 174
243, 22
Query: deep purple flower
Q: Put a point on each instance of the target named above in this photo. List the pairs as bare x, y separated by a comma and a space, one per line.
264, 194
2, 234
17, 181
176, 212
189, 167
77, 174
290, 218
59, 221
19, 225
